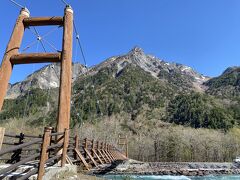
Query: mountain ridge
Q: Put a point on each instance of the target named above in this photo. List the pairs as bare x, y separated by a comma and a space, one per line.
139, 86
48, 76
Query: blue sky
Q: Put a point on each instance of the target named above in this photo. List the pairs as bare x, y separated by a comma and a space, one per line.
203, 34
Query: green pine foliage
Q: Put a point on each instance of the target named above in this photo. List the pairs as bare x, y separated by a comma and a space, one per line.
110, 92
29, 104
199, 111
136, 93
227, 85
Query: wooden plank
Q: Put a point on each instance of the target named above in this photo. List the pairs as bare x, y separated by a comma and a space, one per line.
2, 132
107, 150
82, 159
113, 154
90, 156
98, 150
43, 21
104, 153
110, 152
110, 157
94, 152
69, 161
35, 58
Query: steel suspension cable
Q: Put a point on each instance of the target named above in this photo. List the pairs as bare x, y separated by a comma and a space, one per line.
17, 4
79, 42
39, 38
51, 45
30, 45
31, 78
74, 71
65, 2
85, 62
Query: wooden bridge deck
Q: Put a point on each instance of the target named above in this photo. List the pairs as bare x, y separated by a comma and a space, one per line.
27, 155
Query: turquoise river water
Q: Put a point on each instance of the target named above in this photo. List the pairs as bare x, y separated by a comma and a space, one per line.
145, 177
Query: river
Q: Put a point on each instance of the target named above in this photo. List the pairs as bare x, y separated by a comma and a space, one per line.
145, 177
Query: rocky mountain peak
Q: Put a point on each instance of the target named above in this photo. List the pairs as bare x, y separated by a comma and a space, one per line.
136, 51
48, 76
44, 78
231, 69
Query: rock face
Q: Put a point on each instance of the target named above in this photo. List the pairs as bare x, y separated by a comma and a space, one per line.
139, 85
48, 76
156, 67
45, 78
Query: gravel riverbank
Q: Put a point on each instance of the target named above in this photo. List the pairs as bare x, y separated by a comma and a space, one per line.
168, 168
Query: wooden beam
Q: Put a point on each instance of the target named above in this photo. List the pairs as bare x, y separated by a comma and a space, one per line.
2, 132
95, 153
65, 146
99, 152
43, 21
64, 105
44, 152
101, 155
69, 161
35, 58
82, 158
90, 156
12, 48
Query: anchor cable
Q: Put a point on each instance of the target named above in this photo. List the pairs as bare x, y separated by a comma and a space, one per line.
79, 42
87, 68
39, 38
31, 78
63, 1
17, 4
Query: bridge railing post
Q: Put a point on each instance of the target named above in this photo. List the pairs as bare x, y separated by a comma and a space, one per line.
65, 147
92, 148
126, 144
44, 152
85, 146
2, 132
76, 144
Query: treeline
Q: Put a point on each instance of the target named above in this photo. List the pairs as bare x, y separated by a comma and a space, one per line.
169, 143
134, 92
202, 111
177, 144
104, 94
36, 105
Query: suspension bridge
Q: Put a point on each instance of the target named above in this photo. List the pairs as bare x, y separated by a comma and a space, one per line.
55, 146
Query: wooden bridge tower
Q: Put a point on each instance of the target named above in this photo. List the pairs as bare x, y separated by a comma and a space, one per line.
12, 57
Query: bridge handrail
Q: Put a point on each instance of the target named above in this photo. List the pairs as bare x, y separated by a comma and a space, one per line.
14, 166
88, 151
20, 146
